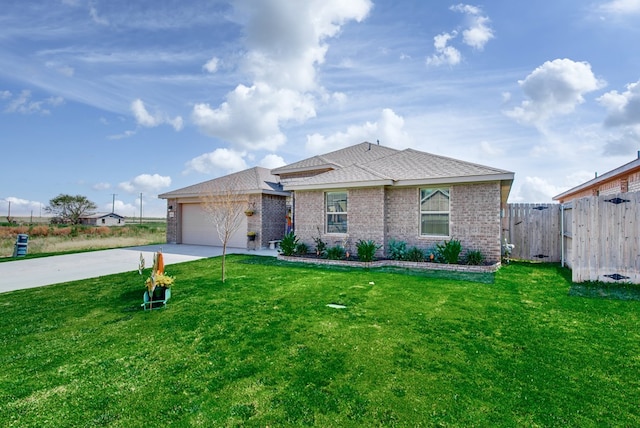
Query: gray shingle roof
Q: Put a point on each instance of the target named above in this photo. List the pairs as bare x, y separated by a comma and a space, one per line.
357, 154
250, 181
406, 167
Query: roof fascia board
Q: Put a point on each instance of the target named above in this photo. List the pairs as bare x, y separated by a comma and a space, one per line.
604, 177
456, 180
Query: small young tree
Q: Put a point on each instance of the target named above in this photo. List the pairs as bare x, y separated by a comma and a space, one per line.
225, 208
70, 208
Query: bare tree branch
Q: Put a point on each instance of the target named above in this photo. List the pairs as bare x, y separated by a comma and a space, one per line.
225, 208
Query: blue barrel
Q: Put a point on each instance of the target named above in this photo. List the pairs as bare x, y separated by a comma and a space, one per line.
22, 242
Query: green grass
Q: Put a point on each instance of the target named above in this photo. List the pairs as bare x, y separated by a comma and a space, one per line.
263, 349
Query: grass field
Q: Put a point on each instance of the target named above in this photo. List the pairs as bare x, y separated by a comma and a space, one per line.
45, 239
263, 349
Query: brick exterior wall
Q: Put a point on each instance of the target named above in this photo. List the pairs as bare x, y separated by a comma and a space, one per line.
268, 220
475, 218
173, 217
273, 214
382, 214
634, 182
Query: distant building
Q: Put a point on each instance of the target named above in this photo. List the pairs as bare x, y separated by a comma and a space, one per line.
623, 179
102, 219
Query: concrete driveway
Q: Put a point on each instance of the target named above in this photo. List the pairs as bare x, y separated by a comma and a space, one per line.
30, 273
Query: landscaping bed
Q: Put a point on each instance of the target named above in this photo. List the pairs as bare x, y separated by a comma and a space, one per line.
393, 263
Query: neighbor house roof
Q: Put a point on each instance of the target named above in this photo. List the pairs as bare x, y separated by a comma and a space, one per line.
100, 215
403, 168
357, 154
250, 181
615, 174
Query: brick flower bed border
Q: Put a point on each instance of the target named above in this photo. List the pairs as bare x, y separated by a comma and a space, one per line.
395, 263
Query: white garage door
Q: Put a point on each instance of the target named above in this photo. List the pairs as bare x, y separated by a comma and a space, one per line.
197, 229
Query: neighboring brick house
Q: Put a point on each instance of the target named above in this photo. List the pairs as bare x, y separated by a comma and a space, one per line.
372, 192
258, 190
625, 178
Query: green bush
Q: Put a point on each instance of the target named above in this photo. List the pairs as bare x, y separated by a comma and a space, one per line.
415, 254
321, 246
302, 248
366, 250
397, 250
474, 257
336, 253
288, 244
450, 251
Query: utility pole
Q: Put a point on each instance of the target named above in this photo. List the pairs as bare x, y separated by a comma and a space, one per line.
140, 207
113, 204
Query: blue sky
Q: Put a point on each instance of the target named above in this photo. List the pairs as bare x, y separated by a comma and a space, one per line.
104, 97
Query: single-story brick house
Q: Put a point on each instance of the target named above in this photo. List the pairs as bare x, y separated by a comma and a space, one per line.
259, 191
625, 178
102, 219
372, 192
365, 191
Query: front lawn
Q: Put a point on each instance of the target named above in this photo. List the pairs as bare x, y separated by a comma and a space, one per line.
264, 349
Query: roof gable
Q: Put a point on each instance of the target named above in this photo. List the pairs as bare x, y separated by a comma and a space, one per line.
406, 167
356, 154
250, 181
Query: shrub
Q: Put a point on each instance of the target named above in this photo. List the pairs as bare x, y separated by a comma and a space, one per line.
397, 250
450, 251
367, 250
288, 244
321, 246
415, 254
62, 231
39, 231
336, 253
474, 257
302, 248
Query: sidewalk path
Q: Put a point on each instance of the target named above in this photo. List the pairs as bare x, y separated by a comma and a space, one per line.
30, 273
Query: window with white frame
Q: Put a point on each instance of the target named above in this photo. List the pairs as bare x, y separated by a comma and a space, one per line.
434, 211
336, 212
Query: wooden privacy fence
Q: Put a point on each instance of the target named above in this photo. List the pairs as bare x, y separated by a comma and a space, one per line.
597, 237
534, 229
605, 238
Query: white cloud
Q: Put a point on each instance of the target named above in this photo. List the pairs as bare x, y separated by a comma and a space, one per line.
219, 162
146, 183
5, 95
272, 161
555, 88
23, 103
536, 189
479, 33
251, 116
445, 55
65, 70
285, 43
101, 186
144, 118
21, 207
621, 7
491, 149
93, 13
212, 65
625, 143
476, 34
623, 108
388, 129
